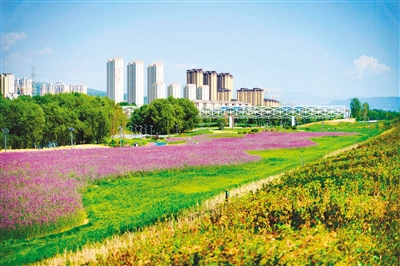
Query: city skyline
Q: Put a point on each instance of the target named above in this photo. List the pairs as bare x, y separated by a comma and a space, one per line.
306, 52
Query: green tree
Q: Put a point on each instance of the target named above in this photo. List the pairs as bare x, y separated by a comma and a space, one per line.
162, 116
186, 113
355, 107
365, 110
26, 123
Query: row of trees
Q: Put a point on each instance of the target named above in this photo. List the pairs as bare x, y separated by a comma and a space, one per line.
166, 115
363, 112
36, 121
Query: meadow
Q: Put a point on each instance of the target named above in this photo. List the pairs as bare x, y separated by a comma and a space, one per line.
342, 210
61, 200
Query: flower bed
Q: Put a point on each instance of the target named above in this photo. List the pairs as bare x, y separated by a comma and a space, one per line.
42, 187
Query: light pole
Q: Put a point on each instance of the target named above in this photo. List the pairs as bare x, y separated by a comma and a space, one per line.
120, 136
140, 135
5, 131
71, 129
145, 129
151, 130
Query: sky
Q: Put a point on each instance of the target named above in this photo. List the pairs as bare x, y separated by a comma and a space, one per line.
300, 52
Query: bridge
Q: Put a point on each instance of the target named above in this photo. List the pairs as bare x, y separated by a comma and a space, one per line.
318, 112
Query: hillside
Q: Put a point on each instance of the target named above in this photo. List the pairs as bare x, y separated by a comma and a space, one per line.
342, 210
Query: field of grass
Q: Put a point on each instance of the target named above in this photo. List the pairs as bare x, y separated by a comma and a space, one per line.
117, 205
343, 210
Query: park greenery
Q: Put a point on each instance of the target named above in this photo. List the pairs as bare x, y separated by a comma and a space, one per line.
166, 116
362, 112
38, 121
122, 203
343, 210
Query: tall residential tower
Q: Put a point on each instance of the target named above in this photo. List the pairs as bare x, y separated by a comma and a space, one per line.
115, 77
135, 88
155, 74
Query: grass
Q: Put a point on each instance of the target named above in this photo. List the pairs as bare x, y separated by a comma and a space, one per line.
114, 206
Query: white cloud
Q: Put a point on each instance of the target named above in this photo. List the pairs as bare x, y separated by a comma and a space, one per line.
365, 64
9, 39
185, 65
46, 51
18, 57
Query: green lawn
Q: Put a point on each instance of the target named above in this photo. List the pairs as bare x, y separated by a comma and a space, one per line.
124, 204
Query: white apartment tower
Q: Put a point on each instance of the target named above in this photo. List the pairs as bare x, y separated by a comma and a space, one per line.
7, 85
155, 73
174, 90
115, 77
203, 93
189, 92
157, 91
135, 87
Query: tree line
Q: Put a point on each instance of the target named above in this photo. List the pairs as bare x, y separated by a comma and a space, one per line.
34, 122
362, 112
166, 116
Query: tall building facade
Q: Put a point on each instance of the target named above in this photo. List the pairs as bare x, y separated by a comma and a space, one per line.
224, 95
78, 88
203, 93
115, 79
135, 86
210, 78
157, 91
58, 87
174, 90
189, 92
61, 87
195, 76
23, 86
255, 96
225, 83
7, 85
155, 73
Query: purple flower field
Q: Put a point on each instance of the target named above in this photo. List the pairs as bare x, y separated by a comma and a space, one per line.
40, 187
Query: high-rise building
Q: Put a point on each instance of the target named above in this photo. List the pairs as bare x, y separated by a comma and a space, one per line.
58, 87
157, 91
7, 85
135, 88
115, 79
203, 93
24, 86
195, 76
174, 90
255, 96
224, 95
189, 92
155, 73
210, 78
225, 82
271, 102
78, 88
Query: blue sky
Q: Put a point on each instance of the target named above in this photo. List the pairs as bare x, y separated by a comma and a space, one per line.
309, 52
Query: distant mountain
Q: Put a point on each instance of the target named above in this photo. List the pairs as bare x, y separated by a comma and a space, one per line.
382, 103
93, 92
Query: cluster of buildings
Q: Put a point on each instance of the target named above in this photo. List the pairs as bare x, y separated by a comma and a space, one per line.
60, 87
204, 88
12, 87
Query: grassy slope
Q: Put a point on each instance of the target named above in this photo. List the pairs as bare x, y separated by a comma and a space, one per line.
115, 206
338, 211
